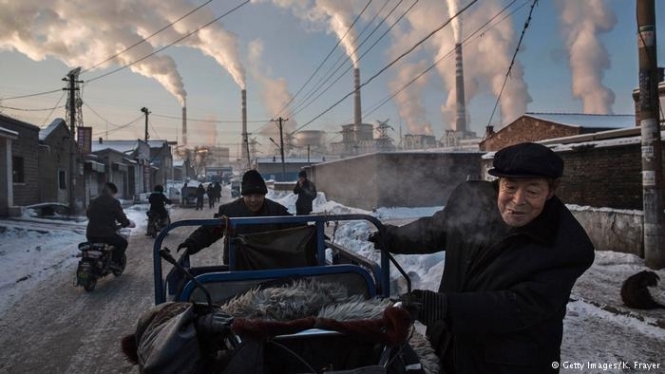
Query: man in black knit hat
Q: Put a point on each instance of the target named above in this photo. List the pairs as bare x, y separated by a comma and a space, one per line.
252, 203
306, 191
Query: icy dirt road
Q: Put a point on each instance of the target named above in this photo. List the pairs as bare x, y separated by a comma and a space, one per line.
59, 328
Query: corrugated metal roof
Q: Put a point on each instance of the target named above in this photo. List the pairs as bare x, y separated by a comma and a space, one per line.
588, 120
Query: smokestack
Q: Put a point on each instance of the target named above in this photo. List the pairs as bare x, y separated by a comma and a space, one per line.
357, 118
460, 120
243, 106
184, 124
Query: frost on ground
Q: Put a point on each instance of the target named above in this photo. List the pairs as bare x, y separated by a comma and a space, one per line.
598, 329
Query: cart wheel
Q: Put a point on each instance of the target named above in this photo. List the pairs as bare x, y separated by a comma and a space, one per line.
90, 284
123, 263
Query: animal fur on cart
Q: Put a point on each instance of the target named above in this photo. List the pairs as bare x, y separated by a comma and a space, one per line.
166, 341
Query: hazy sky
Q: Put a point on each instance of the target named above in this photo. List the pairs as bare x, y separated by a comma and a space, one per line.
576, 57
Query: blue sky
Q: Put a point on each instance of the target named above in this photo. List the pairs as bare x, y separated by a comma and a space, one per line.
280, 44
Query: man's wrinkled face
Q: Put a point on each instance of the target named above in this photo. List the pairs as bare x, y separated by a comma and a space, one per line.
254, 201
521, 200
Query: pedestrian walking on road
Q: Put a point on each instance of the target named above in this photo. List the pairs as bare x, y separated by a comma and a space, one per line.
306, 191
200, 193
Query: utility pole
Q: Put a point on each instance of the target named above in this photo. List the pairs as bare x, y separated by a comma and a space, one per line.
72, 78
280, 123
147, 112
652, 172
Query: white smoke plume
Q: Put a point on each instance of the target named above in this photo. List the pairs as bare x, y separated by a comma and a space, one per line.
337, 15
204, 132
410, 107
582, 22
497, 46
83, 33
213, 40
274, 91
453, 8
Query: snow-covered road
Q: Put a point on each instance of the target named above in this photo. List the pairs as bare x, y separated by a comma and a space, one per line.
49, 326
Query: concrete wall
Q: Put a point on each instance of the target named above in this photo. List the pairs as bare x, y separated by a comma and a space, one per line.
612, 230
351, 181
405, 179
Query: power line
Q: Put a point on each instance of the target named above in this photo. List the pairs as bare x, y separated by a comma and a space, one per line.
57, 105
31, 95
319, 84
147, 38
322, 62
31, 109
361, 56
390, 64
121, 126
208, 120
171, 44
512, 61
464, 42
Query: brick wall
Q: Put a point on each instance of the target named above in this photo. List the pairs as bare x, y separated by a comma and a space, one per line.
526, 129
54, 155
600, 177
603, 177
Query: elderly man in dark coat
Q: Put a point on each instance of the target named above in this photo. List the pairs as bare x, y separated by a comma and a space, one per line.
513, 254
252, 203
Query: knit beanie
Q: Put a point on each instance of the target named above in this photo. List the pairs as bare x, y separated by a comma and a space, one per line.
252, 183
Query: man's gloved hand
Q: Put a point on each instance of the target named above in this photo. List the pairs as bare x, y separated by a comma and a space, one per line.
427, 306
189, 246
215, 323
377, 238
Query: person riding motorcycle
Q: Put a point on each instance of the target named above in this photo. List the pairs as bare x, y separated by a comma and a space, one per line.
104, 213
157, 200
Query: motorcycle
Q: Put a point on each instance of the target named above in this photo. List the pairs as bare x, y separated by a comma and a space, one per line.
96, 263
156, 224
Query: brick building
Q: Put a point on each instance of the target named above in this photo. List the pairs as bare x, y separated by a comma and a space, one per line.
55, 147
534, 127
21, 185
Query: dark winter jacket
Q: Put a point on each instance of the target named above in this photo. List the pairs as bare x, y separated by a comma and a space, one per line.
204, 236
157, 201
103, 213
506, 288
306, 195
